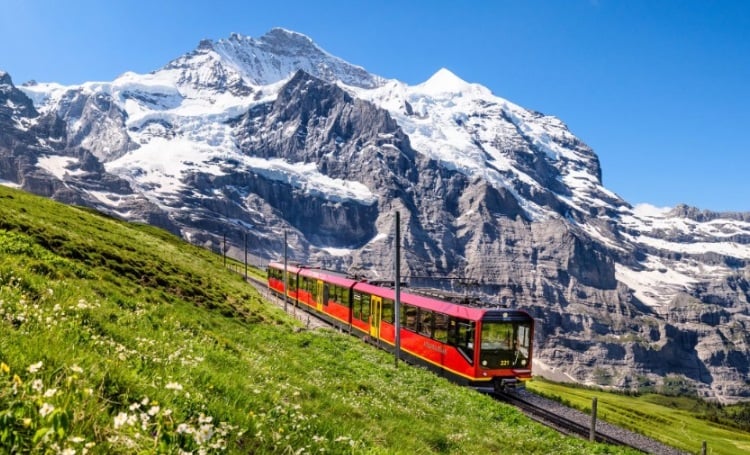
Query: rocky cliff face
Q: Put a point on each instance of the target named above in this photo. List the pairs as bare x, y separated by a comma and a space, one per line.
251, 138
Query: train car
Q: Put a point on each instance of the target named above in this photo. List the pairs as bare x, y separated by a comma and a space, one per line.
478, 347
276, 279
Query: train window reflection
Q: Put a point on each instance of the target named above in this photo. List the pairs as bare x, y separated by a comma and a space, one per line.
465, 342
497, 336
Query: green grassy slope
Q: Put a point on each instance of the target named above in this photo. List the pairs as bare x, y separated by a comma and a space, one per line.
120, 338
677, 421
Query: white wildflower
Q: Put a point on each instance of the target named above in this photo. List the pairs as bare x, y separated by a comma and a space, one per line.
145, 418
121, 419
34, 367
37, 385
203, 434
76, 369
46, 409
50, 393
173, 386
153, 411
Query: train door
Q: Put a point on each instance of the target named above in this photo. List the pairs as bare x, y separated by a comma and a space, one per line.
376, 310
322, 295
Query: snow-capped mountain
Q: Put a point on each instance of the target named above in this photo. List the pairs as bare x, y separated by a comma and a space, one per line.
261, 136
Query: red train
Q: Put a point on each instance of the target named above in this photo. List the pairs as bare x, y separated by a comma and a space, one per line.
478, 347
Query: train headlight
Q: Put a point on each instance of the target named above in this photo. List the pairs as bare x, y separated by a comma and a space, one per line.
523, 362
484, 363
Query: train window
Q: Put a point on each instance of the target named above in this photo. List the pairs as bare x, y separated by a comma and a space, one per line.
505, 345
441, 327
388, 310
291, 281
365, 313
465, 339
345, 296
342, 295
357, 305
409, 317
329, 293
453, 332
523, 340
425, 323
497, 336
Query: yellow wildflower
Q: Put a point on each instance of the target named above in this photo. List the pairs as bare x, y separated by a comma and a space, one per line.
26, 422
4, 367
17, 379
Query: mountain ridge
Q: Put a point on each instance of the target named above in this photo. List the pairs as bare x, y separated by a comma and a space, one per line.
488, 190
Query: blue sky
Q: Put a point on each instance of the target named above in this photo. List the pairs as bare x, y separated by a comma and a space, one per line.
659, 89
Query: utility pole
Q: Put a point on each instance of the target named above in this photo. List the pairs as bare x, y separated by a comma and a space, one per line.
224, 250
245, 255
286, 278
397, 305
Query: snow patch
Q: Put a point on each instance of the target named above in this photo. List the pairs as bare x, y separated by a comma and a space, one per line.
58, 165
339, 252
648, 210
10, 184
307, 177
656, 284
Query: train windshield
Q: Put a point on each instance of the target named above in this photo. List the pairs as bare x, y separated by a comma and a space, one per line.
505, 345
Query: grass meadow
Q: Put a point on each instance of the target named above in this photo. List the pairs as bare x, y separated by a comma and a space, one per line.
119, 338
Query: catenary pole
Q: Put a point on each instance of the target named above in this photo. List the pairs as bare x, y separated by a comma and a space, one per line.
397, 305
245, 255
286, 278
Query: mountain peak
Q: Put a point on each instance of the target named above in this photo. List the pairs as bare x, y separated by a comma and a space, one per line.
283, 38
445, 81
273, 57
5, 78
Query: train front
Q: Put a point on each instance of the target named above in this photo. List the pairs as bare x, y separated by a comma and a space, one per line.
505, 350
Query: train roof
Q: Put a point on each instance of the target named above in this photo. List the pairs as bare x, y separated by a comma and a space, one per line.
439, 306
328, 276
290, 267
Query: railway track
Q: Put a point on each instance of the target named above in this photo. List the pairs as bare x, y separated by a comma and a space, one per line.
575, 423
554, 420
